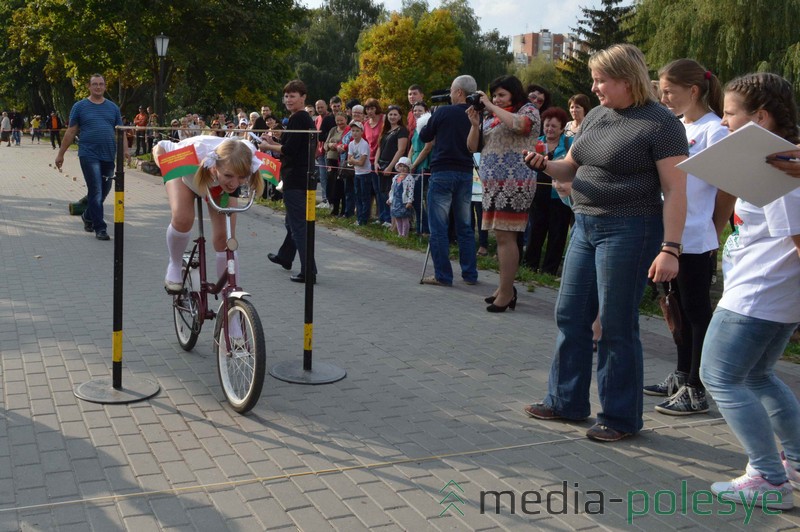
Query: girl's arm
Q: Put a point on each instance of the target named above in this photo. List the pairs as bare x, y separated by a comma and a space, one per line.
791, 168
723, 208
422, 155
796, 240
402, 144
673, 186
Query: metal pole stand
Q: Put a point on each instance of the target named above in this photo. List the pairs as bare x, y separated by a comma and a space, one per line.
292, 371
104, 390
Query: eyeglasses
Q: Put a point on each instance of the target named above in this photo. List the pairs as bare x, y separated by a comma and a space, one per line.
393, 108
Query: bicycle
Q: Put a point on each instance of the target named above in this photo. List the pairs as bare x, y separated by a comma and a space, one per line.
241, 360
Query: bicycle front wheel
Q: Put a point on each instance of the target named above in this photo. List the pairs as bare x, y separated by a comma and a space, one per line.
186, 313
241, 371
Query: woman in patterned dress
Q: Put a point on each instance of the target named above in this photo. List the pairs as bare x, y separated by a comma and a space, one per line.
511, 127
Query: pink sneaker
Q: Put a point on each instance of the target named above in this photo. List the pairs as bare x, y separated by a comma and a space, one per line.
752, 485
791, 473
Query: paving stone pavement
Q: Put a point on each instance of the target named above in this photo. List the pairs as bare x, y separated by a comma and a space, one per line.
434, 393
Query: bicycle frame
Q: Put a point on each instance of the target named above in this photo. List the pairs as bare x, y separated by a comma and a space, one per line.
226, 284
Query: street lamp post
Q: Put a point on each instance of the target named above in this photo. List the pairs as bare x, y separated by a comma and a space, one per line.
162, 42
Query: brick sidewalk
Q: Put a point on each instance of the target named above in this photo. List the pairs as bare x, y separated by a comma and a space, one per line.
434, 393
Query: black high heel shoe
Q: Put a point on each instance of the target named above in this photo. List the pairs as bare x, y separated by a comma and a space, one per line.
491, 299
497, 308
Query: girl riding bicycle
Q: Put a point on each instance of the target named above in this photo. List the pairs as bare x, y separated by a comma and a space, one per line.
224, 166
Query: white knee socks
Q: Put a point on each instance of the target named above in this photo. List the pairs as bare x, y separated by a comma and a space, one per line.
176, 245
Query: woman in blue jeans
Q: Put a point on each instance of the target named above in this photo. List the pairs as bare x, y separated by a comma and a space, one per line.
758, 312
619, 166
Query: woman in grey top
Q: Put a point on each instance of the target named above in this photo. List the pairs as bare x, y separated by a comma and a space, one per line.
619, 166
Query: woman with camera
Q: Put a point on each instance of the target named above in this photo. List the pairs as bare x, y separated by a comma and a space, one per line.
511, 127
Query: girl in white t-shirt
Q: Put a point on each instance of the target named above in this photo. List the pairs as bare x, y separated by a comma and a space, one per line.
695, 94
224, 165
758, 312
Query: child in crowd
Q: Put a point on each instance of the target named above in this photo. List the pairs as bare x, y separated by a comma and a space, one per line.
758, 312
224, 165
358, 158
401, 196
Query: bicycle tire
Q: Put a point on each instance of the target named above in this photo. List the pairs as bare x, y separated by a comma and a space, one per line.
241, 373
186, 313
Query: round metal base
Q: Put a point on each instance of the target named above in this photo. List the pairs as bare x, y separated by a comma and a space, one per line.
321, 373
102, 391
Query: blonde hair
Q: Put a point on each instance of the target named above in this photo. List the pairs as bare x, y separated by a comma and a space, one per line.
625, 62
236, 156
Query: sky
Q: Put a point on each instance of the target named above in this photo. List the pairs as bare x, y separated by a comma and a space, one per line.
513, 17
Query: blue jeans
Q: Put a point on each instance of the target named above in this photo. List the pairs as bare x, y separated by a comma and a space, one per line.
739, 355
606, 269
381, 209
98, 176
322, 166
446, 189
363, 185
17, 136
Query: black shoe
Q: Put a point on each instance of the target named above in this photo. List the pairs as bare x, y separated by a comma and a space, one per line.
491, 299
102, 235
300, 278
277, 260
502, 308
87, 225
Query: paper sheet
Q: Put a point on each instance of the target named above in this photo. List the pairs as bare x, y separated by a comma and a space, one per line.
736, 164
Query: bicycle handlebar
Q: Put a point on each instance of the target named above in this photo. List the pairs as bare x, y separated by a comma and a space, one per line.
230, 210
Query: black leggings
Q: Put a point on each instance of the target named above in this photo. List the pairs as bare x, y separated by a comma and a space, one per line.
692, 288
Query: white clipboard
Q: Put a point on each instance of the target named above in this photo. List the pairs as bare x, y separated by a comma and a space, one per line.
736, 164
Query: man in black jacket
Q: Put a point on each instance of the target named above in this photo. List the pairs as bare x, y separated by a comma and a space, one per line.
294, 150
451, 185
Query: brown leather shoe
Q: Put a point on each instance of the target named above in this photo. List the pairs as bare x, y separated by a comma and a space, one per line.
541, 411
603, 433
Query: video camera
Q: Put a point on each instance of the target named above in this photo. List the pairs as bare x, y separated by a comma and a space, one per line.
441, 96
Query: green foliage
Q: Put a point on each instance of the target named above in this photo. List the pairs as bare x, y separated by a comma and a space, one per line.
399, 52
216, 47
485, 55
327, 55
729, 37
598, 29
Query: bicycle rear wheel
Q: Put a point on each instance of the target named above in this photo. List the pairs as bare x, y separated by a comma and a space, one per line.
186, 313
241, 371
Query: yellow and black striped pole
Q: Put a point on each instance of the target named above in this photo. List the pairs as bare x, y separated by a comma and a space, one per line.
101, 390
319, 372
311, 216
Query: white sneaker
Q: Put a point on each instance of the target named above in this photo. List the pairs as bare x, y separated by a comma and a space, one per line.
791, 473
387, 225
751, 486
323, 205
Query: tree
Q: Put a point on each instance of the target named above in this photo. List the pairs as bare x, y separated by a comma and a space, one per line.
728, 37
216, 48
327, 55
399, 52
485, 55
598, 29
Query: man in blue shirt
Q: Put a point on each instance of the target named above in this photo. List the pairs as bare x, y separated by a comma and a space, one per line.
451, 185
95, 118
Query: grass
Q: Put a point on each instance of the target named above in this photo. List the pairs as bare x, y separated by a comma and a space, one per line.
649, 305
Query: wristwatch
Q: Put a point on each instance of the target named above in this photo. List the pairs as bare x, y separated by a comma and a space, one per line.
675, 245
